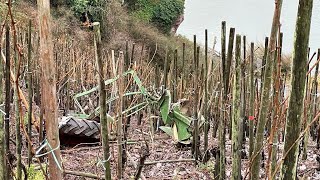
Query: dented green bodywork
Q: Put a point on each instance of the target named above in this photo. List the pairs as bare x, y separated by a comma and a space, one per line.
176, 124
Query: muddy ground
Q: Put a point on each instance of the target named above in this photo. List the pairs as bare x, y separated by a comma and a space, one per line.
85, 157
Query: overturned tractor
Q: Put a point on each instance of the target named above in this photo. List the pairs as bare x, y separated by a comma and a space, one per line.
85, 127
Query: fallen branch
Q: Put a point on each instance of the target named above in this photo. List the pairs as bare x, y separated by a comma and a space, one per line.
129, 142
144, 154
169, 161
135, 165
82, 174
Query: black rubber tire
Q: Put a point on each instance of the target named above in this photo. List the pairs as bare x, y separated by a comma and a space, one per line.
70, 126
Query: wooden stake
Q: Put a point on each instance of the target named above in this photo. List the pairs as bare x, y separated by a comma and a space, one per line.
175, 77
7, 101
30, 93
184, 74
103, 107
294, 115
49, 89
251, 101
206, 75
222, 121
195, 146
2, 130
17, 61
119, 122
265, 98
236, 119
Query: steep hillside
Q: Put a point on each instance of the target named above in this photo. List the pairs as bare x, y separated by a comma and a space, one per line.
148, 24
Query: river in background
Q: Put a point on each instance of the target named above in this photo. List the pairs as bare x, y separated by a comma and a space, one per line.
252, 18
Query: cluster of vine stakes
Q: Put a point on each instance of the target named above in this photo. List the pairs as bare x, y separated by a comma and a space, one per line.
251, 103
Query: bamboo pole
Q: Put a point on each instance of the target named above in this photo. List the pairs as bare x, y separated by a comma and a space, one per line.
30, 92
17, 61
166, 63
306, 102
263, 65
7, 101
69, 63
184, 74
206, 123
243, 93
228, 76
265, 98
132, 60
195, 147
79, 73
229, 60
272, 140
119, 122
175, 76
275, 148
157, 76
311, 108
316, 99
299, 59
41, 120
37, 76
283, 109
126, 100
218, 172
222, 122
2, 131
102, 99
251, 101
236, 118
216, 111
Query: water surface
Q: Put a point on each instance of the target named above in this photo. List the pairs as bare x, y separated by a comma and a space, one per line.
252, 18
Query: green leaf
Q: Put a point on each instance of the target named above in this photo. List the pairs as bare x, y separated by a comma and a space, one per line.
179, 116
183, 133
182, 122
80, 116
141, 91
167, 130
165, 102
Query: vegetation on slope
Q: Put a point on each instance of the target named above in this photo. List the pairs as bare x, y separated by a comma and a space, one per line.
145, 23
162, 14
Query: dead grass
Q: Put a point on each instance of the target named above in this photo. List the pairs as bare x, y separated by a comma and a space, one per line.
122, 27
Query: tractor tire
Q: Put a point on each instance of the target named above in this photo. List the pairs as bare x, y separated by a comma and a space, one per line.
81, 128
